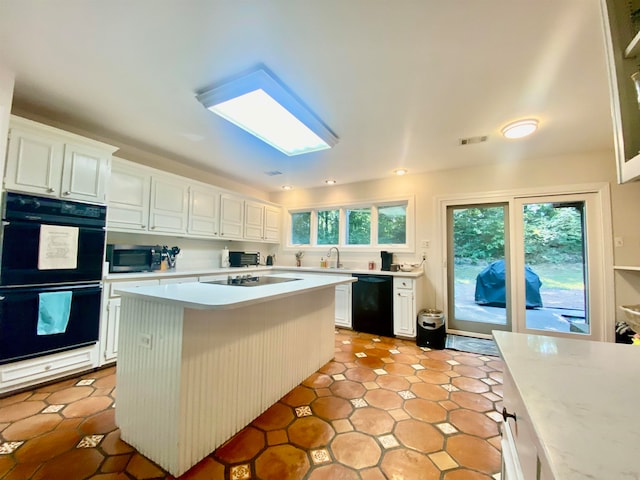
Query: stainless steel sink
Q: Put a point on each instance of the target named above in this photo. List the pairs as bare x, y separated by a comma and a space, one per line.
249, 281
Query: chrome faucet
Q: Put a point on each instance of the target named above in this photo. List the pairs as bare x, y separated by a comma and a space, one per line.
338, 264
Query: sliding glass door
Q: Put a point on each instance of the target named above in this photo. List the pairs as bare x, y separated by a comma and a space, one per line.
526, 264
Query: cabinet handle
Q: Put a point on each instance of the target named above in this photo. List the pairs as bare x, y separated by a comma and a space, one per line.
143, 226
51, 190
506, 415
67, 193
153, 228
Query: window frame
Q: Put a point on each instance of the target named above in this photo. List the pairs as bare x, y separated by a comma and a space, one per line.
408, 247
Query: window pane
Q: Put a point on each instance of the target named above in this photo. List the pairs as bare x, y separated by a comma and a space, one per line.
359, 226
392, 224
301, 228
328, 227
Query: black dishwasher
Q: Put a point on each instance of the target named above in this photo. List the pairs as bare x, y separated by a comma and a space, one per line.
372, 304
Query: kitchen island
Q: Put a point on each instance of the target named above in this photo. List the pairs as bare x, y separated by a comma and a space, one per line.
199, 361
576, 408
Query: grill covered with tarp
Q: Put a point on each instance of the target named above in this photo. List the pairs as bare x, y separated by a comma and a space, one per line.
491, 287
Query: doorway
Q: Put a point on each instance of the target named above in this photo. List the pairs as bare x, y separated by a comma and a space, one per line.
527, 264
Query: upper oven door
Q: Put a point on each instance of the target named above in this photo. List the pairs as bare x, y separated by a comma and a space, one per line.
22, 263
50, 241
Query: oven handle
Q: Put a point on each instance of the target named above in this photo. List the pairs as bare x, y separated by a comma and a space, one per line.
4, 291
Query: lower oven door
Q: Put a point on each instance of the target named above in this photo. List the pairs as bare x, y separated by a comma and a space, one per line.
20, 316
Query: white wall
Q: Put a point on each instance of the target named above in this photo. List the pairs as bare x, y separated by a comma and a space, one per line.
556, 171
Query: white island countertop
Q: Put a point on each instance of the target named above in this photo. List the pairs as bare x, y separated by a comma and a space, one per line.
207, 296
583, 399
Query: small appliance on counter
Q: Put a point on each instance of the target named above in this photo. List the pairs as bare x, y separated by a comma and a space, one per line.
271, 259
134, 258
387, 259
244, 259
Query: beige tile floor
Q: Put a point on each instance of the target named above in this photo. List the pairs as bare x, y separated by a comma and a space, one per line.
382, 409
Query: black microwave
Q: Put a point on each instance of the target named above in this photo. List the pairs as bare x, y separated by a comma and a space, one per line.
133, 258
244, 259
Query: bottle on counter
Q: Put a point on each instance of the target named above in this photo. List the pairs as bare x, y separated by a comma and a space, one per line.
322, 264
225, 257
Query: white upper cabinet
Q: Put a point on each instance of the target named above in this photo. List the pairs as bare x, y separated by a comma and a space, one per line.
144, 199
622, 44
261, 222
204, 211
231, 216
128, 196
47, 161
168, 209
253, 220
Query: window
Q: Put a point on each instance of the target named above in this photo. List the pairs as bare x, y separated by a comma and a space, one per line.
359, 226
328, 227
392, 224
301, 228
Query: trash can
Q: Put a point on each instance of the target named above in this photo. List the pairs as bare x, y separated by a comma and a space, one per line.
431, 331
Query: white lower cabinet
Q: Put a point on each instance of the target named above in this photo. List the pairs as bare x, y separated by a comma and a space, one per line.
110, 319
343, 306
407, 300
520, 456
31, 372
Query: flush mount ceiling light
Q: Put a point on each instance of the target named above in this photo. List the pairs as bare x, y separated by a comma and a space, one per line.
520, 129
287, 187
401, 171
260, 104
330, 182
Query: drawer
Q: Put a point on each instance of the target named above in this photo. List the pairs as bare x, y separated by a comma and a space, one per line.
133, 283
28, 372
403, 283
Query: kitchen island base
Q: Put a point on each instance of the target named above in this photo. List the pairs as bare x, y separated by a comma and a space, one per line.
189, 379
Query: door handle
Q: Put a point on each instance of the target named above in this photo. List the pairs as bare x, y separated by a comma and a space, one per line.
506, 415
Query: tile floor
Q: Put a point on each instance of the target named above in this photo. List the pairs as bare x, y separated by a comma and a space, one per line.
382, 409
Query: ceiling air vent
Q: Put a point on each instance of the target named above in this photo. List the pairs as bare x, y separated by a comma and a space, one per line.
273, 173
470, 140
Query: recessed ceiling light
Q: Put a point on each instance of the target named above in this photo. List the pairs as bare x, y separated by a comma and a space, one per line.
401, 171
263, 106
520, 129
330, 182
287, 187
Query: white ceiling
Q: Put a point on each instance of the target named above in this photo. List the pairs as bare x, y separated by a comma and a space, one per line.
400, 82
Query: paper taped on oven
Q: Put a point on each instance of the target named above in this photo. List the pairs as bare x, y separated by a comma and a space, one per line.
58, 247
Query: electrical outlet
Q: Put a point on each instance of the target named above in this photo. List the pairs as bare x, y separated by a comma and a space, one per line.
425, 243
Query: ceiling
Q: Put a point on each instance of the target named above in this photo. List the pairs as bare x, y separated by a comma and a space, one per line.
400, 82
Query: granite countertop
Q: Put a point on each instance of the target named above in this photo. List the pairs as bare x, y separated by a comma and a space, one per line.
201, 271
206, 296
582, 399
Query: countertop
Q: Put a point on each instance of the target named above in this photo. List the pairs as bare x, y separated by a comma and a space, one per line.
205, 296
202, 271
583, 401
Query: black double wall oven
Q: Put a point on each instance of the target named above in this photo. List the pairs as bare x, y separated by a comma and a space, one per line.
50, 275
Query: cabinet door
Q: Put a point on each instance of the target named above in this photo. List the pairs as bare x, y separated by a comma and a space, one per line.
84, 173
168, 209
404, 312
110, 347
271, 223
204, 207
343, 306
34, 163
128, 197
231, 216
253, 221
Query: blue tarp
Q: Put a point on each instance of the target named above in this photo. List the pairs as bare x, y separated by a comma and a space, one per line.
491, 289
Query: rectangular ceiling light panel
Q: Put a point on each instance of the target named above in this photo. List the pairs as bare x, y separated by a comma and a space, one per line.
262, 106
